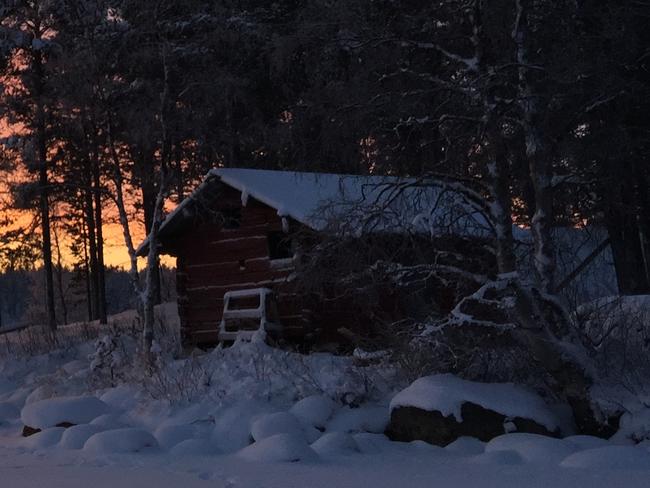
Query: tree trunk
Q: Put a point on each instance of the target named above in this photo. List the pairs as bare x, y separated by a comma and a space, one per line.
59, 278
86, 268
501, 205
153, 276
43, 184
101, 270
544, 327
626, 219
149, 196
92, 244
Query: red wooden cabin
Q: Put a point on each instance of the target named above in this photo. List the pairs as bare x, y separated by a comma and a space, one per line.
232, 239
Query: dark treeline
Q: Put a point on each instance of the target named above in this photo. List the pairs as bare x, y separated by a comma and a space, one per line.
543, 103
21, 295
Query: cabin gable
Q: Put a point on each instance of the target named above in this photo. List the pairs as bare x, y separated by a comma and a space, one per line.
230, 247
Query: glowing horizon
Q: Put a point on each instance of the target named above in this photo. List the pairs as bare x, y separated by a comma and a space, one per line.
115, 251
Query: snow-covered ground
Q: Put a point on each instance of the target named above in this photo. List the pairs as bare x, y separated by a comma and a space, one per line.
253, 416
396, 466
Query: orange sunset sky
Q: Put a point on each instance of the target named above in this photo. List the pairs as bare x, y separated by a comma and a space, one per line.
115, 253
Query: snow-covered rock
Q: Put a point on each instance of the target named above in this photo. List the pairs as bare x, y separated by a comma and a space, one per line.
335, 444
314, 410
610, 457
441, 408
57, 411
170, 435
76, 436
533, 448
369, 418
279, 448
276, 423
120, 441
447, 393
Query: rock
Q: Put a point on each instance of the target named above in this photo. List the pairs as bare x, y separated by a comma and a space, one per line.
411, 423
29, 431
441, 408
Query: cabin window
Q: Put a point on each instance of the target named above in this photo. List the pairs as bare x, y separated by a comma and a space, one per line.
279, 245
231, 218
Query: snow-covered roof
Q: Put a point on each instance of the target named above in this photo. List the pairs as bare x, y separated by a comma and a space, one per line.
369, 202
375, 203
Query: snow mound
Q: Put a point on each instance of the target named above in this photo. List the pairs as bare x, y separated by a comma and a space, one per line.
373, 419
276, 423
76, 436
18, 397
610, 457
109, 421
447, 393
121, 397
533, 448
335, 444
634, 425
498, 458
194, 447
41, 393
373, 443
55, 411
466, 446
74, 367
314, 410
584, 442
170, 435
6, 386
46, 438
279, 448
120, 441
232, 430
8, 411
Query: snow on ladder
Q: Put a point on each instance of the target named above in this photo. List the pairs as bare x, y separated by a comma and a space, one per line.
247, 313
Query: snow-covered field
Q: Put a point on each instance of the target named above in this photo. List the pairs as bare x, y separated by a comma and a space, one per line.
253, 416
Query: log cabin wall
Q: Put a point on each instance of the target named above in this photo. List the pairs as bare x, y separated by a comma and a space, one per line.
213, 258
